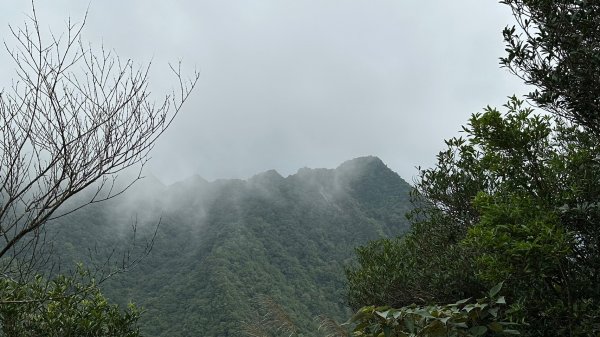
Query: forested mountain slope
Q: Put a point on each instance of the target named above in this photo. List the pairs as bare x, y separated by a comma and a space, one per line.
222, 244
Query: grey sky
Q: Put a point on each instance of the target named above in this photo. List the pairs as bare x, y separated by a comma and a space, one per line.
292, 83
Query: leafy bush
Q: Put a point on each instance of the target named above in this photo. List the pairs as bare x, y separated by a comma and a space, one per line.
62, 307
468, 318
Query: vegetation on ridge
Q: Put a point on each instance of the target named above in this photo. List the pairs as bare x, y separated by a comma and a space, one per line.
223, 243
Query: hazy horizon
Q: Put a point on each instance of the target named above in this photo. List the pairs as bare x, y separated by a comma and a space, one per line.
285, 85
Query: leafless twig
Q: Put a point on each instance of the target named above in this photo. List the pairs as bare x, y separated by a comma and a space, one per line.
72, 120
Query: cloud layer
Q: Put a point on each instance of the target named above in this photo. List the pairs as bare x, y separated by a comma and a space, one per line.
287, 84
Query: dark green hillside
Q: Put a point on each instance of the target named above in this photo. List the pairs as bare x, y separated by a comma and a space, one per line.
223, 243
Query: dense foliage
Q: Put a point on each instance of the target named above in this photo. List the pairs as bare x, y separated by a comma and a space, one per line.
62, 307
516, 199
467, 318
554, 47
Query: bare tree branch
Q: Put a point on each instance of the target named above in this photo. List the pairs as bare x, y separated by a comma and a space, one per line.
73, 118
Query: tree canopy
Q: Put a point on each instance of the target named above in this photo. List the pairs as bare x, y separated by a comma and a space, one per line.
516, 198
554, 47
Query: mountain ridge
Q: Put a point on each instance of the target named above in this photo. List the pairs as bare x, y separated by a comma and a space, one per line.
222, 243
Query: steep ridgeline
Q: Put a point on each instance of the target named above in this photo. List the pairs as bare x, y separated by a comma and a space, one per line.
222, 244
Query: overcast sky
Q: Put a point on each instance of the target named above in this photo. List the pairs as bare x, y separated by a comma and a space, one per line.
292, 83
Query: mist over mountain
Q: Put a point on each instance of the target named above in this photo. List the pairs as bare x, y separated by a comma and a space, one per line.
221, 244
